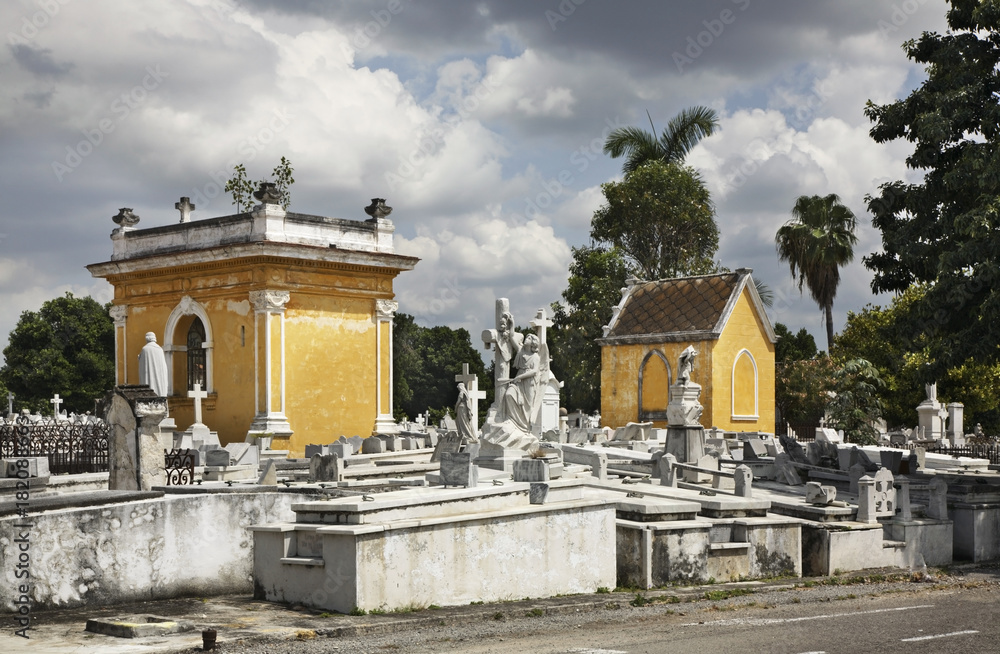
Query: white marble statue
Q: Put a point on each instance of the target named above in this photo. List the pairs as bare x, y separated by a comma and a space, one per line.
465, 420
522, 396
685, 364
153, 366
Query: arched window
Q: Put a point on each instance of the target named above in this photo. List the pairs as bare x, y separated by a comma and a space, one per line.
654, 386
196, 358
744, 399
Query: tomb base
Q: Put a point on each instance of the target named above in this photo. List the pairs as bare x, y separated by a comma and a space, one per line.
229, 473
687, 443
500, 458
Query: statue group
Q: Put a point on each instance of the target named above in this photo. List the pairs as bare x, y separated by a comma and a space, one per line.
521, 370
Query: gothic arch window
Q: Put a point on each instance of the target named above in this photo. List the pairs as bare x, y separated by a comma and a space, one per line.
196, 359
654, 386
744, 387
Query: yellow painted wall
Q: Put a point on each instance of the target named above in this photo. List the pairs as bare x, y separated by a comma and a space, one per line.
743, 331
330, 343
620, 379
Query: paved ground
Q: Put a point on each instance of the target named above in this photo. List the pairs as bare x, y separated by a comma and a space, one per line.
890, 610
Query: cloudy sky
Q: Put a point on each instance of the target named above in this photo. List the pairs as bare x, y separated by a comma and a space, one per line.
480, 122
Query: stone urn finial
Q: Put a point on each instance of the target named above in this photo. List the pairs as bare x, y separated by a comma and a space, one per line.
125, 218
378, 209
267, 193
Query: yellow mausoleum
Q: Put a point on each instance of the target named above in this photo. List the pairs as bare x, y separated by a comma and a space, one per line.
285, 320
723, 318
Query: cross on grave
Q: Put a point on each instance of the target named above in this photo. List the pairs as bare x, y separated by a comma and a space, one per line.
185, 207
55, 402
10, 403
471, 385
420, 420
198, 395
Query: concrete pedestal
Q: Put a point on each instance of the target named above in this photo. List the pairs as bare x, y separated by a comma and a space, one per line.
686, 443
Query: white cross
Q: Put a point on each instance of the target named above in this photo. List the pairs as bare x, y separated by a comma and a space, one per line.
471, 385
56, 401
10, 403
198, 396
540, 322
185, 207
420, 420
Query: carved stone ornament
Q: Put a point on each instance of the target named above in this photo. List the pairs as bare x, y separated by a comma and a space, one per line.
268, 193
187, 305
385, 309
378, 209
269, 300
125, 218
118, 313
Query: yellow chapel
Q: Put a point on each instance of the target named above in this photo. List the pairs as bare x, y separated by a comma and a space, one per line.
720, 315
284, 319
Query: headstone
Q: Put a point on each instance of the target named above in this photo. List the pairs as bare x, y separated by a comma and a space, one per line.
743, 481
885, 494
578, 436
343, 450
312, 450
356, 443
866, 500
891, 459
216, 458
666, 471
450, 443
754, 449
937, 506
392, 443
785, 472
827, 435
24, 467
269, 477
447, 422
855, 473
531, 470
244, 454
135, 453
707, 462
634, 431
599, 465
324, 467
538, 492
457, 469
373, 445
956, 426
818, 494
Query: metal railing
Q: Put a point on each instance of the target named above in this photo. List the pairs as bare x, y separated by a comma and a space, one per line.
71, 447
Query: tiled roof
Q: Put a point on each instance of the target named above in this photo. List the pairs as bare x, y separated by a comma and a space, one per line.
689, 304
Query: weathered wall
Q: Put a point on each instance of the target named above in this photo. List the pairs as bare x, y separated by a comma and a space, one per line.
136, 551
743, 331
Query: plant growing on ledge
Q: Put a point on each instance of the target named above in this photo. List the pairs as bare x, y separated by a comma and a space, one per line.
241, 188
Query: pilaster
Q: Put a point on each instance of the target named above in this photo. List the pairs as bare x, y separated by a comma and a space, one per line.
269, 363
385, 310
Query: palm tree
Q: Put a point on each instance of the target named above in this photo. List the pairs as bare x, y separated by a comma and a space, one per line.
816, 243
681, 134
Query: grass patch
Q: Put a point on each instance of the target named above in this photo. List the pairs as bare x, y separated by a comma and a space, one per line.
379, 611
358, 611
640, 600
603, 590
476, 603
498, 615
535, 613
716, 595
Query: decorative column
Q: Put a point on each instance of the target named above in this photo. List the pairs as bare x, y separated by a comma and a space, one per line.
269, 363
384, 312
119, 313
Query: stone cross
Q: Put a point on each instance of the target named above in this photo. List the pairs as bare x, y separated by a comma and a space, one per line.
55, 402
198, 396
185, 207
10, 403
471, 385
540, 322
420, 420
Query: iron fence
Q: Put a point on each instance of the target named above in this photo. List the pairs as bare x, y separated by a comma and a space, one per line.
982, 451
70, 447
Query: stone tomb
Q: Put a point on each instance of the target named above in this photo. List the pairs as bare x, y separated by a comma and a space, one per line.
136, 457
488, 543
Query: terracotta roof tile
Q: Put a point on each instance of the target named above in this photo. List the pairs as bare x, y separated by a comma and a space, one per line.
675, 305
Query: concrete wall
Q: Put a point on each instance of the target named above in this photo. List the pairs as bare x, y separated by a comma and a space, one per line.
136, 551
977, 531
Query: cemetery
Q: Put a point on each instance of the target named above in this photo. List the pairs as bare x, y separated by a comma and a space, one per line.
218, 464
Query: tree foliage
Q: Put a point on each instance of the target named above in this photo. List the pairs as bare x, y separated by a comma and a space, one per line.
855, 406
793, 347
945, 231
241, 188
681, 134
872, 334
596, 278
66, 347
662, 218
815, 243
425, 362
802, 388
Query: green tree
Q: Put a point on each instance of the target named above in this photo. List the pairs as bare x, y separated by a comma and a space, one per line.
596, 277
945, 231
242, 189
802, 389
662, 218
682, 133
816, 242
425, 362
66, 347
872, 334
855, 406
793, 347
